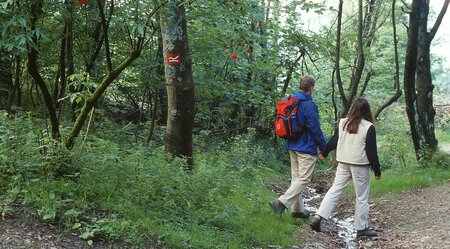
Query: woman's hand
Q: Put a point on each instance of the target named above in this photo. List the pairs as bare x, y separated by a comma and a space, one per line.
377, 178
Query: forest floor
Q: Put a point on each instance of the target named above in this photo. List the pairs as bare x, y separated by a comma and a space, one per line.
21, 230
414, 219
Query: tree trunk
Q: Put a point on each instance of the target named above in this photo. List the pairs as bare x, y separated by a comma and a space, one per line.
337, 65
424, 87
398, 91
153, 100
162, 92
70, 68
6, 78
409, 79
417, 80
179, 80
359, 64
60, 82
33, 69
15, 94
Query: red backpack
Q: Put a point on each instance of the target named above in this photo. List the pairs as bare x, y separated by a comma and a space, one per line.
287, 124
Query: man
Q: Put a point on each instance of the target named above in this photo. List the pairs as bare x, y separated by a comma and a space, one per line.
302, 151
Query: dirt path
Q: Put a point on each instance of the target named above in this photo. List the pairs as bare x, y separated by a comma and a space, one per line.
20, 230
415, 219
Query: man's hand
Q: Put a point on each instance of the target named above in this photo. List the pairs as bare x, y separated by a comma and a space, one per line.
321, 157
377, 178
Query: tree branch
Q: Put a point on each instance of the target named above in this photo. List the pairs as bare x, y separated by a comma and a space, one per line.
438, 20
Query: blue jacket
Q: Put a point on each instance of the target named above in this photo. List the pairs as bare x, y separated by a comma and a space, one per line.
312, 136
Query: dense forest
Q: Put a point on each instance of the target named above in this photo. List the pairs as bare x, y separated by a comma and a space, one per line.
151, 122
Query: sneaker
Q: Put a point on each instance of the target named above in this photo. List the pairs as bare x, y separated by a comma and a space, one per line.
303, 215
277, 206
315, 224
366, 232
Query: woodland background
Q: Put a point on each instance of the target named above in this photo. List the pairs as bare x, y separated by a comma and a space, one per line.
101, 133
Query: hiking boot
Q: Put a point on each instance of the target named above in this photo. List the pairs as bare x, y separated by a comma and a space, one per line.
277, 206
366, 232
303, 215
315, 224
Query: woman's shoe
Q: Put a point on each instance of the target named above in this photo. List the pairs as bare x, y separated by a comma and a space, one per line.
303, 215
366, 232
315, 224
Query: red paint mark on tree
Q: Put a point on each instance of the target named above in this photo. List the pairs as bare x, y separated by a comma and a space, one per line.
173, 59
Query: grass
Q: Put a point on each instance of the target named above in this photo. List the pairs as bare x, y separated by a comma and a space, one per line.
405, 179
443, 136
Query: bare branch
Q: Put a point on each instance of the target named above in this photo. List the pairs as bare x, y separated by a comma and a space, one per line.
438, 20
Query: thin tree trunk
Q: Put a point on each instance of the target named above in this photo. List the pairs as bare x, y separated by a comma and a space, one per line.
154, 115
112, 74
33, 69
60, 82
409, 79
162, 92
398, 89
359, 65
338, 54
15, 94
6, 78
92, 100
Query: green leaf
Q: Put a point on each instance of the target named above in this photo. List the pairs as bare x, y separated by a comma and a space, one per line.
22, 22
87, 234
49, 215
72, 213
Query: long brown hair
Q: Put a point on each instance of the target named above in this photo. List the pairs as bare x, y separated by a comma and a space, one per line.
359, 110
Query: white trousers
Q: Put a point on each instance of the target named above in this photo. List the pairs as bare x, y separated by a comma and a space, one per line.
302, 167
361, 181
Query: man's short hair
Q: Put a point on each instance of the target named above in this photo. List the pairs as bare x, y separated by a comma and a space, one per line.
306, 82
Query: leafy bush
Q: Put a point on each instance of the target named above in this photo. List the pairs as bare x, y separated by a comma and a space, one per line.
129, 192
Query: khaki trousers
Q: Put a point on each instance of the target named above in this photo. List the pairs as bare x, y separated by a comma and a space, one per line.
361, 181
302, 167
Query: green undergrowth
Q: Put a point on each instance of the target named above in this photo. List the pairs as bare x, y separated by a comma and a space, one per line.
405, 179
125, 192
110, 187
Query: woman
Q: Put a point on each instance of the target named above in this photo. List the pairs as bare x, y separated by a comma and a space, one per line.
356, 152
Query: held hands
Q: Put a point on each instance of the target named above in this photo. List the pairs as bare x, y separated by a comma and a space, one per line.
377, 178
321, 157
